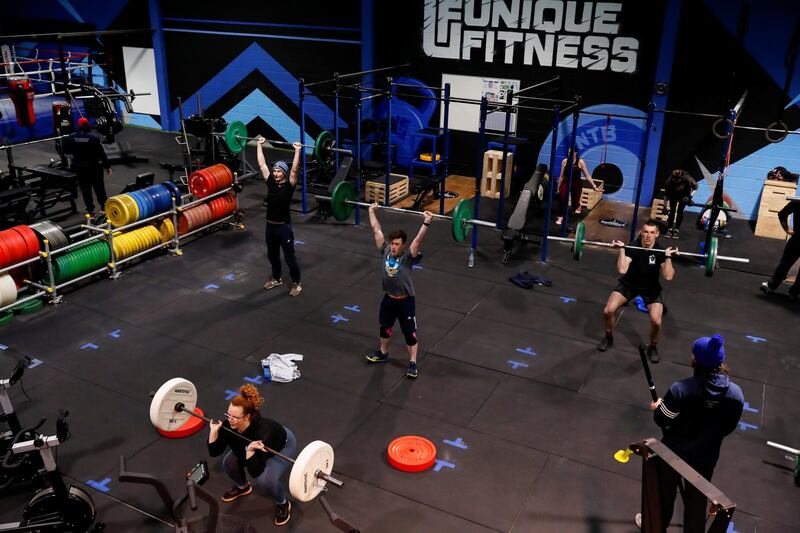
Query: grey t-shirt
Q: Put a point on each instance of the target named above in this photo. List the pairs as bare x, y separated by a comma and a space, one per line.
397, 272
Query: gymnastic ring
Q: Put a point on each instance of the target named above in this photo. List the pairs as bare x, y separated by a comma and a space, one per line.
780, 124
714, 128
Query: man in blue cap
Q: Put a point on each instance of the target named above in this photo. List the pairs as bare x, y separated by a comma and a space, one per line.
280, 188
695, 415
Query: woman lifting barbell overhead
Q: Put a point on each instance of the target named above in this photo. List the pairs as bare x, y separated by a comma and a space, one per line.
279, 236
641, 272
253, 458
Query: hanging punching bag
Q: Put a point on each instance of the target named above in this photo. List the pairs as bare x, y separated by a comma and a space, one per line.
21, 91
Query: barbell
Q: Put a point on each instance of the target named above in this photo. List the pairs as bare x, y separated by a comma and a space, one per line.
344, 198
236, 139
35, 141
174, 403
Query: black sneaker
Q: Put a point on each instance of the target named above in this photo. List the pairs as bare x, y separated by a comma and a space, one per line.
283, 512
606, 343
411, 371
235, 492
766, 289
652, 354
378, 357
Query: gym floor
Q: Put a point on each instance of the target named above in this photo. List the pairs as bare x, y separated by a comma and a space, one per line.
525, 413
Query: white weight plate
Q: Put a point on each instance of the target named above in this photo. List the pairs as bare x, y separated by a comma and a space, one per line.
8, 290
162, 408
303, 482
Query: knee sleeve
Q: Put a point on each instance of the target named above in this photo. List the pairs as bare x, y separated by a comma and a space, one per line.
411, 338
386, 332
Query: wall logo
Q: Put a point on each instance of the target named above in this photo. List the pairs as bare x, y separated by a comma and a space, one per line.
546, 33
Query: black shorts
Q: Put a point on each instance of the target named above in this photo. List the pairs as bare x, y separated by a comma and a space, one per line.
630, 293
402, 310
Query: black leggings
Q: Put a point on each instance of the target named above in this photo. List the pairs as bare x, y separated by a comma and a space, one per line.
280, 237
675, 217
399, 309
790, 255
694, 502
91, 179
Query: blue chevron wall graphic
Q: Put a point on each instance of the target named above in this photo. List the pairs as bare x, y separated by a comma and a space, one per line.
256, 58
269, 111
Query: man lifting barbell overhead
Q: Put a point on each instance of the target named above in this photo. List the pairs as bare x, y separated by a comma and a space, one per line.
279, 236
641, 270
254, 458
398, 298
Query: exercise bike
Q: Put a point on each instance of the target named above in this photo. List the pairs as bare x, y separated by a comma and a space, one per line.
30, 467
59, 508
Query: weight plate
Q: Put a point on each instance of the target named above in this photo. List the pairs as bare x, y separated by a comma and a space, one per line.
461, 214
6, 317
31, 242
340, 208
52, 232
711, 257
26, 308
304, 484
8, 290
141, 206
167, 230
322, 148
412, 453
236, 136
162, 407
192, 426
175, 191
132, 205
117, 211
577, 245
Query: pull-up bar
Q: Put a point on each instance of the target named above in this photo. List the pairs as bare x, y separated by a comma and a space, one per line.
356, 74
75, 34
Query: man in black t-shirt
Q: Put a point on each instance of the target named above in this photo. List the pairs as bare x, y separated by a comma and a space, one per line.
280, 188
791, 253
641, 272
88, 161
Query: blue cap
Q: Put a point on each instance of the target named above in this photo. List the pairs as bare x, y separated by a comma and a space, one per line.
283, 166
709, 351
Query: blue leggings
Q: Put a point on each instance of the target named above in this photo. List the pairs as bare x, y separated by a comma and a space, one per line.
268, 483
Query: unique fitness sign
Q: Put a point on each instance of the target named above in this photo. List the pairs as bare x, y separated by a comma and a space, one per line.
546, 33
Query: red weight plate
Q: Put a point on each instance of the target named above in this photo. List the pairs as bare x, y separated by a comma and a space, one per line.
192, 426
411, 453
31, 242
17, 246
4, 252
183, 223
198, 183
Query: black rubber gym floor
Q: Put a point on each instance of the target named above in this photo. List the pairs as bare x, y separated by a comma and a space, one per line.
525, 413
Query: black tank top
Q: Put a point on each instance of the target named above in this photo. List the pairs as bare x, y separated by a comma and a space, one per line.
279, 200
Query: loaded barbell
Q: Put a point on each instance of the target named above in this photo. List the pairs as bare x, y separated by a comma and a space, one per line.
344, 198
236, 139
174, 403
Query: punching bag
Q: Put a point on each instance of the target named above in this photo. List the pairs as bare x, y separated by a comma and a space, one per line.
21, 92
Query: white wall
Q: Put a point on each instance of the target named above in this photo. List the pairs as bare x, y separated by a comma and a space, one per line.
140, 75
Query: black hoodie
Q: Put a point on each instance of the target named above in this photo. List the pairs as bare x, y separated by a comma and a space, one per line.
696, 414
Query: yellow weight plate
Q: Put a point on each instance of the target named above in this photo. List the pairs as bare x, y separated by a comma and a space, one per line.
133, 207
117, 211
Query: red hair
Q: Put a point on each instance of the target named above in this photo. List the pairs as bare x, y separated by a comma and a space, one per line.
248, 399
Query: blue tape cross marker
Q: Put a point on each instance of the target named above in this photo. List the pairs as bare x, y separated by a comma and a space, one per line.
731, 529
229, 394
458, 443
34, 363
211, 286
755, 339
416, 267
517, 364
442, 464
115, 333
353, 308
258, 380
567, 299
339, 318
748, 408
527, 351
3, 347
91, 345
229, 277
297, 241
744, 426
102, 486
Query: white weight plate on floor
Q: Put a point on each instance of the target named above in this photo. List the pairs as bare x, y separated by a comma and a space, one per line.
303, 482
162, 408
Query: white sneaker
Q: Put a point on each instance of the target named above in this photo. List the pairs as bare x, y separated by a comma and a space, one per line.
295, 290
638, 520
272, 283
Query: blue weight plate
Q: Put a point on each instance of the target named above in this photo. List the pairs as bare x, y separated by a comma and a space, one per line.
174, 190
165, 197
137, 197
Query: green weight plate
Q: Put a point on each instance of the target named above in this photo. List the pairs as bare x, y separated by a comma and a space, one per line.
577, 246
322, 148
711, 257
236, 136
31, 306
462, 213
340, 208
6, 317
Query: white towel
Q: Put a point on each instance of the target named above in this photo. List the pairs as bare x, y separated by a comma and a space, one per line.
282, 367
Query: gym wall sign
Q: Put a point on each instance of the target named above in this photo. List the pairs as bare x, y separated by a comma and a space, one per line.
546, 33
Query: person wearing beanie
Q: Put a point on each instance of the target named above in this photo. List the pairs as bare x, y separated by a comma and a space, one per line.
641, 271
696, 414
88, 161
280, 189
